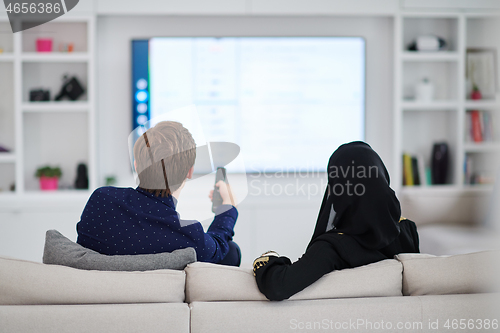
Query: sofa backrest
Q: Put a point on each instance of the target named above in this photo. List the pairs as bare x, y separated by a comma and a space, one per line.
26, 283
425, 274
30, 283
210, 282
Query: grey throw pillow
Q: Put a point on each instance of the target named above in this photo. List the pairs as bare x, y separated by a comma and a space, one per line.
59, 250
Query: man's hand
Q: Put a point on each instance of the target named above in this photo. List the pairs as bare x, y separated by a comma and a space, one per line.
225, 193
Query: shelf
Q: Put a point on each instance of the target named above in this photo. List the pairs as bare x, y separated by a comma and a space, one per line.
430, 189
77, 106
67, 194
482, 104
443, 74
471, 147
425, 106
478, 188
446, 190
430, 56
429, 15
36, 200
6, 57
50, 76
47, 57
7, 157
55, 57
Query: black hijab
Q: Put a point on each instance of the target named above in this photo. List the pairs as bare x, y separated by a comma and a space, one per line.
366, 208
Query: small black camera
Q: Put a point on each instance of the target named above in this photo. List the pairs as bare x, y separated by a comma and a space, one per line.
39, 95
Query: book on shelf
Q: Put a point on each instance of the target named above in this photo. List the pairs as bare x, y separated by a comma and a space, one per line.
468, 176
479, 126
414, 171
424, 176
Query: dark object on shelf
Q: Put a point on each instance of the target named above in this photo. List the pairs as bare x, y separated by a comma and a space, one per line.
71, 89
12, 187
427, 43
440, 157
82, 179
39, 95
4, 150
416, 175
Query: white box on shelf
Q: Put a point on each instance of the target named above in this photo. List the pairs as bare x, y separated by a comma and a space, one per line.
443, 26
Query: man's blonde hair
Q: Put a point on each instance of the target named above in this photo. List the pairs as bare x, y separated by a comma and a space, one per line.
164, 155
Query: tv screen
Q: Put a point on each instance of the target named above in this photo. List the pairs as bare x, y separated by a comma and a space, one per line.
288, 102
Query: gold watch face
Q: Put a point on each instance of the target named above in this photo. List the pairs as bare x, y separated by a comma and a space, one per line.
259, 262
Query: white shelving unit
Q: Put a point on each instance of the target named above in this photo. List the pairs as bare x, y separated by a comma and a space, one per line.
418, 125
57, 133
7, 132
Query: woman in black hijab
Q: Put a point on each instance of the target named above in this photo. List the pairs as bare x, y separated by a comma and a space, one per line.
359, 223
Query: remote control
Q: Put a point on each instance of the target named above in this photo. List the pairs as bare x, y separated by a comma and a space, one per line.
216, 198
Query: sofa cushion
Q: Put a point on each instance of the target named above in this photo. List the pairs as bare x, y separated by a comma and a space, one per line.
211, 282
98, 318
26, 282
425, 274
59, 250
354, 315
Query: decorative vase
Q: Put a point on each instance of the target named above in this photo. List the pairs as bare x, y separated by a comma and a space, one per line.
48, 183
424, 91
476, 94
439, 163
44, 45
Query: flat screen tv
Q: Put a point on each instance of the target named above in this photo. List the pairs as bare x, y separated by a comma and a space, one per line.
288, 102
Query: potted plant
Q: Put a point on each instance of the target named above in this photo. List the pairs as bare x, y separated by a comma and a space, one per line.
48, 177
476, 93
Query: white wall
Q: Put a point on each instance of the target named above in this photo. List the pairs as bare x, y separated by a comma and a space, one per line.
280, 222
23, 225
267, 221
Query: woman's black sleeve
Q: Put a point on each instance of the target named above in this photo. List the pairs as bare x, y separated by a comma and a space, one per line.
279, 278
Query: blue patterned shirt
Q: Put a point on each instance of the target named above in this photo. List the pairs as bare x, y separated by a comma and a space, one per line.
134, 221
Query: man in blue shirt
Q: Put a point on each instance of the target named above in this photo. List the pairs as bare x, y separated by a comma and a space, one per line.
119, 221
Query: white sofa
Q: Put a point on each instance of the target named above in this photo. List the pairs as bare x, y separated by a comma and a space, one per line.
411, 293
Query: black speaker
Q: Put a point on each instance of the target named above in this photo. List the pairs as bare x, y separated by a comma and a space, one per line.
71, 89
82, 178
439, 167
